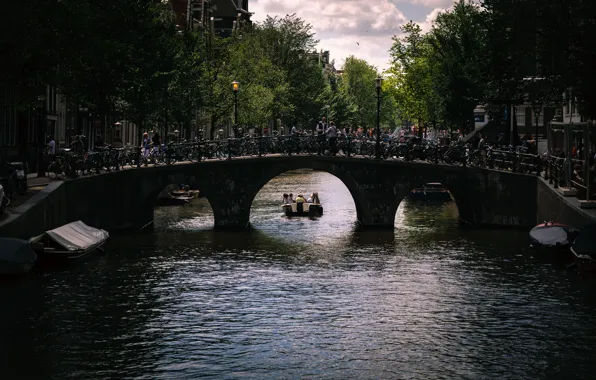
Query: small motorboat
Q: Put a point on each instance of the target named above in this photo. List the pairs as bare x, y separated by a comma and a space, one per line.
302, 209
584, 249
71, 241
16, 256
552, 235
432, 191
185, 193
173, 200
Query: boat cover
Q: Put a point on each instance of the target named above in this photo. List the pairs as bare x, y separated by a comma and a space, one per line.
77, 235
550, 236
585, 244
16, 251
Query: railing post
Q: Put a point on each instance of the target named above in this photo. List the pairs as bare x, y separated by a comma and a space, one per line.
557, 176
260, 145
289, 141
199, 151
514, 163
349, 147
538, 166
229, 148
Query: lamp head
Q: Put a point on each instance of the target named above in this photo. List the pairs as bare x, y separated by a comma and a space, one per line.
235, 86
378, 82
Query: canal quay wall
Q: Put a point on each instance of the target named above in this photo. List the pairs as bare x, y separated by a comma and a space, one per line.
125, 199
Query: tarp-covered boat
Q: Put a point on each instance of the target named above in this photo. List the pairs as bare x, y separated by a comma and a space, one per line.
70, 241
16, 256
552, 235
584, 248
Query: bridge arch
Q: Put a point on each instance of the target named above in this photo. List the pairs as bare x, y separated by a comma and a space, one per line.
346, 179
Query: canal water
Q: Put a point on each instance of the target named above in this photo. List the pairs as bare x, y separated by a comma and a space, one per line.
303, 299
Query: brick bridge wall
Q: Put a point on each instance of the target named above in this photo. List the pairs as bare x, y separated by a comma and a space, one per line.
125, 199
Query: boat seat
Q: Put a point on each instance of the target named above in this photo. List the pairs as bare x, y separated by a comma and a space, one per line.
300, 207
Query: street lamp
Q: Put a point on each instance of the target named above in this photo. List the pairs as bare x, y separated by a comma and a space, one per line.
235, 88
378, 84
41, 137
536, 86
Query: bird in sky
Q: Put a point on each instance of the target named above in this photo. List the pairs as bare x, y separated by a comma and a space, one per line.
358, 43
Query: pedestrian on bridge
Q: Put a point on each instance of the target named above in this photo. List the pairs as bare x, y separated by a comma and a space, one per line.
320, 132
332, 138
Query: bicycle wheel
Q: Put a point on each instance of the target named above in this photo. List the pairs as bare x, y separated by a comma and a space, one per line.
52, 168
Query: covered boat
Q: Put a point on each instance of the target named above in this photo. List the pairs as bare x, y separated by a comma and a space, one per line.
71, 241
584, 248
16, 256
302, 209
432, 191
552, 235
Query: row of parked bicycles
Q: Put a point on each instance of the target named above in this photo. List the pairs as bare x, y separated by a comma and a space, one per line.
69, 163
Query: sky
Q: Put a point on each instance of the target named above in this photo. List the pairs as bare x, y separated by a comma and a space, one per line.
362, 28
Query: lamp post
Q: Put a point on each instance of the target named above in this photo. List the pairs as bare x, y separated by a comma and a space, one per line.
378, 84
235, 88
41, 137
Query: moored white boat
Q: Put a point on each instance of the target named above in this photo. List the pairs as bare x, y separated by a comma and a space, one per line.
71, 241
552, 235
16, 256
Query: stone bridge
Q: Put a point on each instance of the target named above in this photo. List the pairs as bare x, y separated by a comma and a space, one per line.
126, 199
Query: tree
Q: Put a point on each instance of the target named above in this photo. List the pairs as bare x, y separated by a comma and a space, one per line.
457, 38
415, 77
358, 84
289, 43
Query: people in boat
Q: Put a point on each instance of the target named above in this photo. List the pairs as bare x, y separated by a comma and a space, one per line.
286, 199
315, 198
300, 199
291, 198
309, 200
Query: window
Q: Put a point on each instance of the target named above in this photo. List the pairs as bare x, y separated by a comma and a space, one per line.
520, 116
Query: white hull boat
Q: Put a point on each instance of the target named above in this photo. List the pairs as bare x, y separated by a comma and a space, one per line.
71, 241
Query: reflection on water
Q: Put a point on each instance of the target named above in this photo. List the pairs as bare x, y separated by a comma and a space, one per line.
300, 298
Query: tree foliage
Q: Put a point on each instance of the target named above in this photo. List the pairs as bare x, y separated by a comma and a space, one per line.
493, 54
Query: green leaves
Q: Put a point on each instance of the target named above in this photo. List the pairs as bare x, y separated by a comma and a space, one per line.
438, 76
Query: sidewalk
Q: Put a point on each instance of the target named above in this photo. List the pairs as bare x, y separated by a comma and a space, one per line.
34, 185
34, 181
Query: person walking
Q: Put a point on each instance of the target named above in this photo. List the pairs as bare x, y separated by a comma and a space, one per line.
332, 138
320, 133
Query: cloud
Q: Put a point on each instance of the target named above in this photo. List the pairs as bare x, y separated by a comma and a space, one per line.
432, 3
427, 24
350, 27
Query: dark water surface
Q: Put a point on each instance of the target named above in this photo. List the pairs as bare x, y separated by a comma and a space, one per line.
299, 298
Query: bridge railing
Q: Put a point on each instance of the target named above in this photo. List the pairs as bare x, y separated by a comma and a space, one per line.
70, 164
